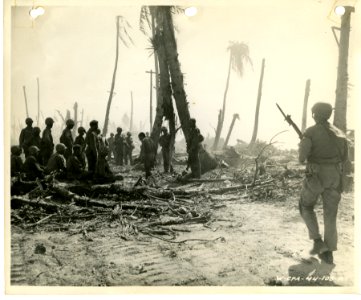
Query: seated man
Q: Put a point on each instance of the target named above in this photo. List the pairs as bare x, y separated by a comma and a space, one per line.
75, 165
56, 162
32, 168
103, 174
16, 161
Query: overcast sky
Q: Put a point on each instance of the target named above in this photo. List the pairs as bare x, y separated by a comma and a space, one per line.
72, 49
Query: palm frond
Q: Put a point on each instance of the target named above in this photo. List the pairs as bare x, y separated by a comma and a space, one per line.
239, 55
144, 19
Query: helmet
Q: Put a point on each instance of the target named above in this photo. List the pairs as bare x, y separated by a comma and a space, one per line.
33, 150
36, 130
119, 129
76, 146
322, 110
93, 123
81, 130
16, 150
69, 122
164, 129
112, 134
60, 148
49, 121
129, 134
28, 121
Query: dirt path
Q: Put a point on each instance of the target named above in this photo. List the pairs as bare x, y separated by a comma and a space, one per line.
263, 243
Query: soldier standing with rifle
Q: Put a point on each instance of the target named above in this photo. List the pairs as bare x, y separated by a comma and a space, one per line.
47, 144
325, 149
26, 136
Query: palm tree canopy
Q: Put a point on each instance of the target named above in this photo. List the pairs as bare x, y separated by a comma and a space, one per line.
239, 55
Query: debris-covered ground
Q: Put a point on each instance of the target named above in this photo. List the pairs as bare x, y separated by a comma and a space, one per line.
220, 230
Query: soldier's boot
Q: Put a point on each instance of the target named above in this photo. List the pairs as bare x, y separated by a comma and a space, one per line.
319, 247
327, 257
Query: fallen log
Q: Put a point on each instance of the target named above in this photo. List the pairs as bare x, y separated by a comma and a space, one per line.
17, 202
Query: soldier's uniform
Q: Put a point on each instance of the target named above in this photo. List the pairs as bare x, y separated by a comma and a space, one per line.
47, 143
111, 146
164, 142
26, 136
80, 140
16, 161
119, 147
103, 174
66, 138
147, 155
193, 148
31, 167
57, 162
128, 149
325, 149
91, 148
74, 165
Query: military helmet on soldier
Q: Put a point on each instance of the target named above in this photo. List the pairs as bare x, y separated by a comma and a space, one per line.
164, 129
322, 110
129, 134
33, 150
81, 130
28, 121
16, 150
36, 131
93, 123
60, 148
49, 121
69, 122
119, 129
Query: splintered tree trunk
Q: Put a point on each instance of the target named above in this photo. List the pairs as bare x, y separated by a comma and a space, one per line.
170, 45
218, 128
151, 101
165, 91
235, 117
131, 112
75, 118
259, 96
106, 121
38, 84
342, 76
26, 102
221, 120
305, 103
82, 117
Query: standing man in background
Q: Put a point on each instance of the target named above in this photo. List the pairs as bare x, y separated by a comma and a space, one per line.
47, 144
26, 136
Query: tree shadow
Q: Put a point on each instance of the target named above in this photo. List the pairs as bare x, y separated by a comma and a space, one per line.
311, 272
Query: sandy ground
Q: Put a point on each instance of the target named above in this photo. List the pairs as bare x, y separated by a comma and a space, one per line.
254, 242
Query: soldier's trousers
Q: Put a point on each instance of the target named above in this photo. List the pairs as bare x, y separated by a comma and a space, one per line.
92, 161
166, 159
128, 156
322, 180
119, 157
46, 154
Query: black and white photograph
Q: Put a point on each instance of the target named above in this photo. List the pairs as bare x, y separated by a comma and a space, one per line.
181, 144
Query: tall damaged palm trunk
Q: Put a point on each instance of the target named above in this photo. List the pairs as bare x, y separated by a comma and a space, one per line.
235, 117
305, 104
259, 96
177, 83
222, 112
106, 121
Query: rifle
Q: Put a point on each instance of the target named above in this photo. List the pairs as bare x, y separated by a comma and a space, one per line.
291, 123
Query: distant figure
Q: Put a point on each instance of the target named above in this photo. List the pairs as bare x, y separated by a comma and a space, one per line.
80, 140
164, 142
147, 134
47, 144
75, 167
32, 169
26, 136
147, 153
119, 147
128, 148
16, 161
91, 148
325, 149
193, 148
56, 162
66, 138
111, 146
103, 174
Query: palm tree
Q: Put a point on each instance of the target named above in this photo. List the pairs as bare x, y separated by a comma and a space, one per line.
259, 96
305, 102
238, 55
123, 35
